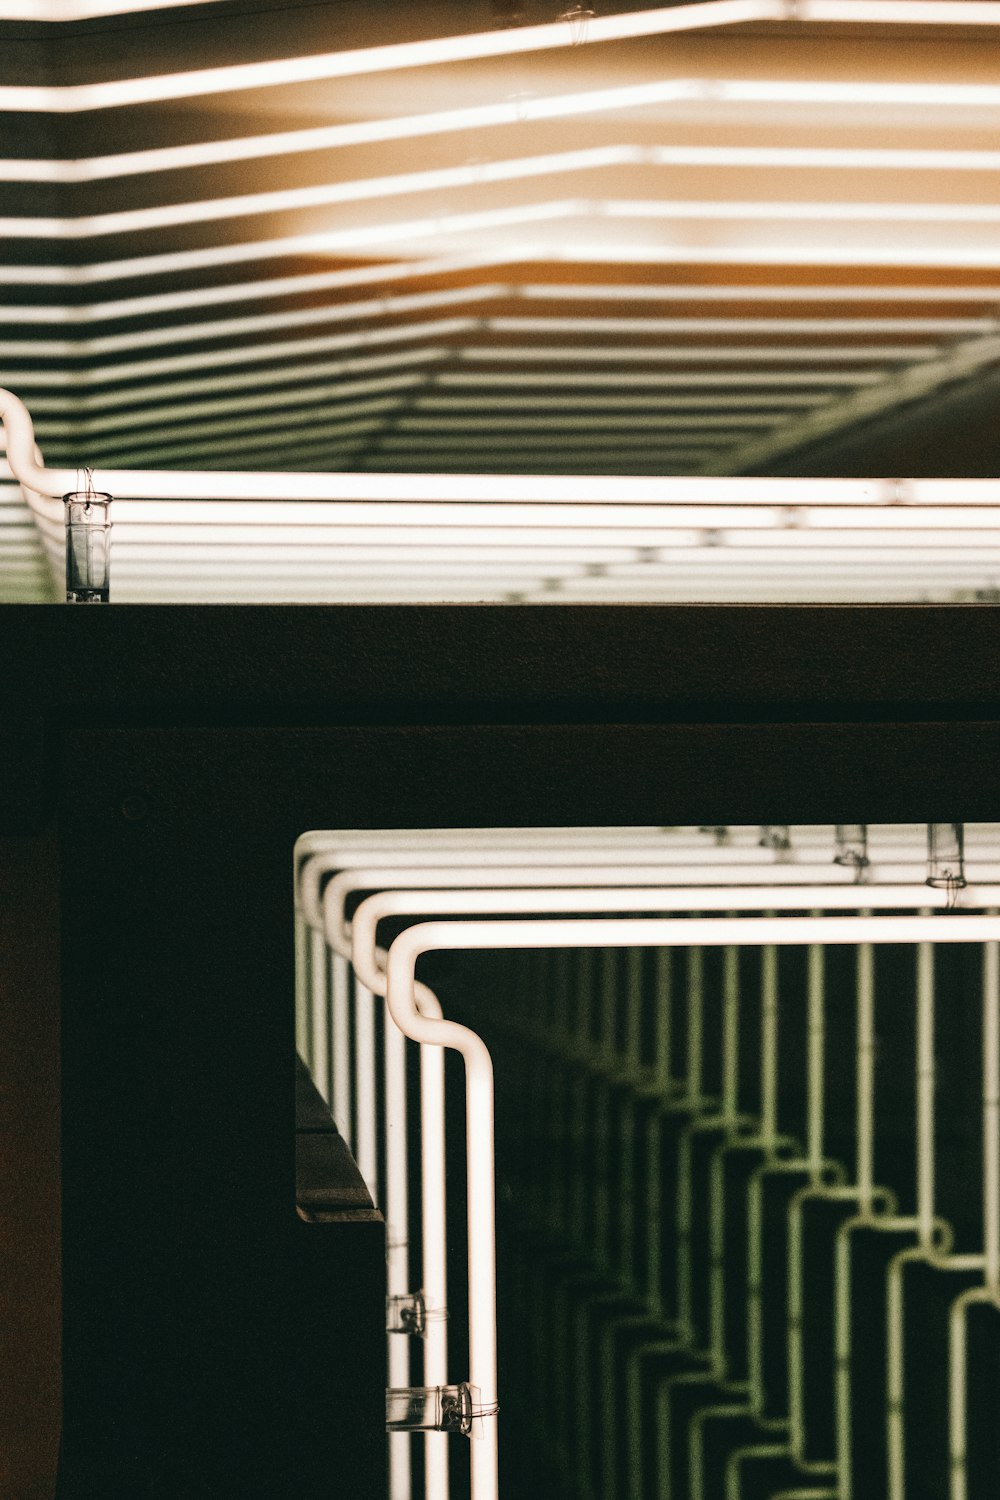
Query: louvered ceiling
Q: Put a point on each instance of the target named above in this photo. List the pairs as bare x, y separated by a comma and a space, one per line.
464, 237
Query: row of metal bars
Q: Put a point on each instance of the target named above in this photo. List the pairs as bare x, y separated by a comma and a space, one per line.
645, 870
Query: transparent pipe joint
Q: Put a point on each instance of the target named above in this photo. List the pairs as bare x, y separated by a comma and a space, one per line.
436, 1408
946, 856
775, 836
88, 547
852, 846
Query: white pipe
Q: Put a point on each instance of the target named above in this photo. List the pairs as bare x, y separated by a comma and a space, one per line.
816, 1060
540, 900
957, 1356
319, 1048
625, 932
396, 1217
730, 1035
481, 1190
663, 1077
599, 888
341, 1083
991, 1117
989, 1292
390, 57
816, 835
368, 962
769, 1046
889, 496
365, 1090
320, 841
925, 1094
302, 986
396, 1164
865, 1129
695, 1025
925, 1224
367, 958
425, 893
865, 1076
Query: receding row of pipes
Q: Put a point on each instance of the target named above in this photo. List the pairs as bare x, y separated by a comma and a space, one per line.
584, 871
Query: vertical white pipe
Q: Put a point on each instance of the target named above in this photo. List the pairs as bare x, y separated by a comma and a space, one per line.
991, 1116
957, 1395
396, 1207
607, 1011
730, 1034
816, 1059
695, 1089
695, 1025
865, 1076
434, 1249
540, 1094
585, 964
340, 987
895, 1371
365, 1088
925, 1095
607, 1005
730, 1108
482, 1266
627, 1205
301, 987
633, 1012
319, 1059
397, 1214
957, 1353
769, 1045
602, 1172
664, 1038
654, 1211
562, 982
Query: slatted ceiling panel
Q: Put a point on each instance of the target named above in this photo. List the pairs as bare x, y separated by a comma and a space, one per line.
697, 249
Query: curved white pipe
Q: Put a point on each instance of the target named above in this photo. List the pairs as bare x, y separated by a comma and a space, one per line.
23, 455
625, 932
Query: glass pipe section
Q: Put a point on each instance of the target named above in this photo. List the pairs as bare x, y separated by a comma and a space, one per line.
852, 845
945, 856
430, 1408
775, 836
88, 547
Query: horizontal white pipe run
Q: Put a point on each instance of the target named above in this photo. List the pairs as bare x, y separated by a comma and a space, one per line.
366, 61
346, 523
929, 556
553, 489
683, 835
432, 51
760, 885
640, 95
428, 576
394, 902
